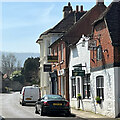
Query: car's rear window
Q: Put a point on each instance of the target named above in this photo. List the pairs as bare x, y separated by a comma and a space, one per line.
55, 97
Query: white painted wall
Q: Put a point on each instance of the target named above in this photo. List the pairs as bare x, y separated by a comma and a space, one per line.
44, 76
108, 105
79, 55
111, 104
117, 90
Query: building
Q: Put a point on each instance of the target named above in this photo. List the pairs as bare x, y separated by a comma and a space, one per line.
61, 49
79, 59
46, 39
105, 61
79, 74
80, 81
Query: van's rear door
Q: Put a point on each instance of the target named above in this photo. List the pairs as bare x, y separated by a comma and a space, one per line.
35, 94
31, 94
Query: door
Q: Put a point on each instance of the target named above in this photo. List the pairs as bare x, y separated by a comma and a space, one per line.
62, 86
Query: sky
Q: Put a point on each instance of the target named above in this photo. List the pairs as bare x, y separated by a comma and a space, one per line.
24, 20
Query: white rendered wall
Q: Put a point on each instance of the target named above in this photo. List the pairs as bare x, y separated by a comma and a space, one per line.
110, 106
117, 91
44, 76
79, 55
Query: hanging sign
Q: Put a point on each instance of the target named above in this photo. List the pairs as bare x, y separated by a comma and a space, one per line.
47, 68
78, 72
52, 59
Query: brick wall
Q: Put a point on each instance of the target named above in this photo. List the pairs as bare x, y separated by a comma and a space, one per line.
58, 66
106, 44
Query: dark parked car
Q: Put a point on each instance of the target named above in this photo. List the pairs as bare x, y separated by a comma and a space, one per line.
52, 104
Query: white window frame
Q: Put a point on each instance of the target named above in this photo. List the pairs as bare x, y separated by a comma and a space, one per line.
73, 87
100, 86
99, 53
87, 85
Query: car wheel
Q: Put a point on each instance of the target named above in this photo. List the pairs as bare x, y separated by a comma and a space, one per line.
41, 111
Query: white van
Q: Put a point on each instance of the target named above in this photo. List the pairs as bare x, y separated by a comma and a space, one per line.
29, 94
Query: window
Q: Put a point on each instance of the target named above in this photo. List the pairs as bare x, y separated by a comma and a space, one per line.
58, 53
99, 53
78, 84
100, 86
53, 52
49, 49
73, 88
86, 86
61, 52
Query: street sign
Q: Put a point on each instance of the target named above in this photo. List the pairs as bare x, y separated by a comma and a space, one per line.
47, 68
52, 59
78, 72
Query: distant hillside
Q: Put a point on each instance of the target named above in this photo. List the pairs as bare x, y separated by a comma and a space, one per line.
23, 56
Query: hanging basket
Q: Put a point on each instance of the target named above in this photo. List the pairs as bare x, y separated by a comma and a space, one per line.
79, 96
98, 100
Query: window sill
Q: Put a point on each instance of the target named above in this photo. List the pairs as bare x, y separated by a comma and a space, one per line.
86, 100
73, 99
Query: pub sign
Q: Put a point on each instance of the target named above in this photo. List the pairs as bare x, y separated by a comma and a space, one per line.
47, 68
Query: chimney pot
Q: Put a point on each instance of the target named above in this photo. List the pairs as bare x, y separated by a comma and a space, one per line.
69, 4
67, 10
77, 8
81, 8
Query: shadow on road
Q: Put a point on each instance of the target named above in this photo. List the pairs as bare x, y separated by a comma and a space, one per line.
60, 115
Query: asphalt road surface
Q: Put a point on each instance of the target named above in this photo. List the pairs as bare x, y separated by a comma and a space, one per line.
10, 109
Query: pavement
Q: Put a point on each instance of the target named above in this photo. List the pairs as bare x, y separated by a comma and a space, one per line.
90, 115
86, 115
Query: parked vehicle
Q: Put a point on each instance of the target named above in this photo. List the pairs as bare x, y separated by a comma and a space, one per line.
29, 94
52, 104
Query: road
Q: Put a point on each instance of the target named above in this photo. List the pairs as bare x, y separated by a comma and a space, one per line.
10, 108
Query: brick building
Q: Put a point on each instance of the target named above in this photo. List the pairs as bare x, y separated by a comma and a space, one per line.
79, 59
105, 61
61, 49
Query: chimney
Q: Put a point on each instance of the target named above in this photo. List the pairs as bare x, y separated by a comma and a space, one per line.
77, 8
81, 8
77, 14
99, 2
67, 10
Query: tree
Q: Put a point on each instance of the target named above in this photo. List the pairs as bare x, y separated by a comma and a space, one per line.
17, 76
9, 63
31, 69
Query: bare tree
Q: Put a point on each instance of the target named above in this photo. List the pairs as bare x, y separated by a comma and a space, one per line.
9, 63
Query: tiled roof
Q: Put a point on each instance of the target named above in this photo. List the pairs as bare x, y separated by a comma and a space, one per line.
113, 22
84, 25
64, 25
112, 17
